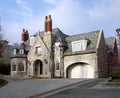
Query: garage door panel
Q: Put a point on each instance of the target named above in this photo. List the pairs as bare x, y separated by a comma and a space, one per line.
81, 71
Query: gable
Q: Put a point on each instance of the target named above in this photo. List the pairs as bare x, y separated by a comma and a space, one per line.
111, 44
38, 46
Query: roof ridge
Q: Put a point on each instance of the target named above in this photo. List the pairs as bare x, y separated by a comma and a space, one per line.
84, 33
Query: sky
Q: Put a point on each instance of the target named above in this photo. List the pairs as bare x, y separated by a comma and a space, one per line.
70, 16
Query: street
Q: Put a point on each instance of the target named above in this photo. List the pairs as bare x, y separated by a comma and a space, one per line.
87, 90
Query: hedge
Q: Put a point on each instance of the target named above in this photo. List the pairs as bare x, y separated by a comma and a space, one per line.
4, 68
115, 74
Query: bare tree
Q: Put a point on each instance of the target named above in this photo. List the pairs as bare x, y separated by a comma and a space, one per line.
1, 41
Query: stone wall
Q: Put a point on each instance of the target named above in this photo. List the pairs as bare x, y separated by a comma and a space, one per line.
44, 56
84, 58
17, 73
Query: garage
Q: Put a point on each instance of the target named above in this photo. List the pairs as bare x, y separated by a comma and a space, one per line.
82, 70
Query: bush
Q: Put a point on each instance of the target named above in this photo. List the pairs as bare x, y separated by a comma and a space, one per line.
115, 74
4, 69
2, 81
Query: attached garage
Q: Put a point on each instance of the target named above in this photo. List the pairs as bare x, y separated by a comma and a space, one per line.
80, 70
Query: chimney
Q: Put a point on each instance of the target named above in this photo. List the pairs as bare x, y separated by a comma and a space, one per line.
48, 23
25, 35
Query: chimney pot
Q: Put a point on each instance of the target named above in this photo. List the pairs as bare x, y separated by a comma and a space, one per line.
23, 30
45, 17
26, 31
49, 16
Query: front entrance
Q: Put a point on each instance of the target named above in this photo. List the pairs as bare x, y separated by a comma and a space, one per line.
38, 67
80, 70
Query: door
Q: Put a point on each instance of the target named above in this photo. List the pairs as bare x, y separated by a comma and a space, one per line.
80, 71
38, 68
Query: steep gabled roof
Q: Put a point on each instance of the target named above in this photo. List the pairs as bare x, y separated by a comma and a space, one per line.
110, 43
92, 38
57, 34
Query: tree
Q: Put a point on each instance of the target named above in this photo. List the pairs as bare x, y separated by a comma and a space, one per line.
1, 41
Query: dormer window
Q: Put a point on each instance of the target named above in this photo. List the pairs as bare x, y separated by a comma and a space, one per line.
14, 51
21, 51
80, 45
38, 50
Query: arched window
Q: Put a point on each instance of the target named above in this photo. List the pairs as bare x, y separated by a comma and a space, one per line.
20, 66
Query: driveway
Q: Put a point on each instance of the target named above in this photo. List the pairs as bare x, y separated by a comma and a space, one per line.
18, 88
88, 90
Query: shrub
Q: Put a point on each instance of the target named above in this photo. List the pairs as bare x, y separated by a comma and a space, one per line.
115, 74
4, 68
2, 81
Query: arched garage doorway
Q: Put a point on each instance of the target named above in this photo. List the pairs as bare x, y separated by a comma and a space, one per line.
38, 67
80, 70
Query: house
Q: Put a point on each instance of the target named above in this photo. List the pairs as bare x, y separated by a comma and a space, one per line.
5, 52
51, 53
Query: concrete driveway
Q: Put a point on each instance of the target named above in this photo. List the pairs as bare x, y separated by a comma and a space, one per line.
88, 90
18, 88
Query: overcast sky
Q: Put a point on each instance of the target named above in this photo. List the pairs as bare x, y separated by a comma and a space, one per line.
71, 16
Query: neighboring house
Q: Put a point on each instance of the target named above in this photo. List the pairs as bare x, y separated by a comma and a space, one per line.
118, 44
5, 51
52, 53
112, 50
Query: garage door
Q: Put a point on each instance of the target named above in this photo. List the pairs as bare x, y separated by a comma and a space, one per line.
84, 71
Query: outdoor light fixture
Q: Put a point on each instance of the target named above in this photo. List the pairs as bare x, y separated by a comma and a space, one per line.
45, 61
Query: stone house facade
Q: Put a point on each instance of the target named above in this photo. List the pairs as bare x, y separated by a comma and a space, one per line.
51, 53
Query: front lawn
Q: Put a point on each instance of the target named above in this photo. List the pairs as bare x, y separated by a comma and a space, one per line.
115, 80
2, 81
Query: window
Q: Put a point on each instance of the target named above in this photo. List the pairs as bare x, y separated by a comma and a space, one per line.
21, 51
38, 50
57, 48
20, 66
14, 51
57, 65
32, 38
80, 45
13, 67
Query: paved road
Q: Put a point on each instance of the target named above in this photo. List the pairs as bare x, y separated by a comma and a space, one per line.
87, 90
18, 88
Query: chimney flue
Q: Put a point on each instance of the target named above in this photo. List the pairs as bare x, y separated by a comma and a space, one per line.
25, 35
48, 23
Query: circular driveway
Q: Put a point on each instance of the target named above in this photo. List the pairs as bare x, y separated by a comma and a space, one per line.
18, 88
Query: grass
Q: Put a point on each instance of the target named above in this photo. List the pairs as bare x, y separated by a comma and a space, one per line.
2, 81
115, 80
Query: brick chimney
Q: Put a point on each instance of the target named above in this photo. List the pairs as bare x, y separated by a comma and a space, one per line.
48, 24
25, 35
